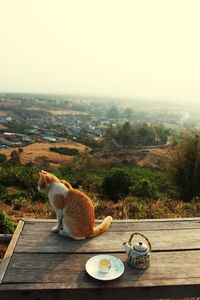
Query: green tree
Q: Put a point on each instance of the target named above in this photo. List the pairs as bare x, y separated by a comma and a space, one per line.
125, 134
116, 184
184, 166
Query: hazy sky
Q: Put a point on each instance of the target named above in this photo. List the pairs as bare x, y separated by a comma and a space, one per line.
131, 48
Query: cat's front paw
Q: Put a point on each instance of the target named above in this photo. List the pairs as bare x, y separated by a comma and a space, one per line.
55, 229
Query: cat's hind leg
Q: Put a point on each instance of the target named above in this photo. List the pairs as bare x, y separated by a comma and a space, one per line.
65, 232
78, 238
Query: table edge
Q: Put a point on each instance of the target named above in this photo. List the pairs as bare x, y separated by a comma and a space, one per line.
27, 220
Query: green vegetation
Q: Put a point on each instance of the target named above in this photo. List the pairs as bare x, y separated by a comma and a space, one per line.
113, 183
2, 157
184, 166
138, 135
116, 184
65, 150
133, 208
125, 191
145, 188
22, 178
6, 226
20, 182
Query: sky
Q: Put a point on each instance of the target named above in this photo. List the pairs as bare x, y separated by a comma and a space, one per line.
120, 48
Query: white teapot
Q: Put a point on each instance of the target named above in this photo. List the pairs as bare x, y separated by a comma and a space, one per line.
139, 253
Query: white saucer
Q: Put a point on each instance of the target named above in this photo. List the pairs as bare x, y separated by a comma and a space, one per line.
117, 267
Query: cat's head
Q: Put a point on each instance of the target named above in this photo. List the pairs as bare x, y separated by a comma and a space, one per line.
45, 181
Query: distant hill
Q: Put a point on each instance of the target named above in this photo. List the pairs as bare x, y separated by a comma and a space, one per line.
149, 157
36, 152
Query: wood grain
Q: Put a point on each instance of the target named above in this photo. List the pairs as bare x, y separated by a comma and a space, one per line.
123, 225
59, 291
164, 240
42, 268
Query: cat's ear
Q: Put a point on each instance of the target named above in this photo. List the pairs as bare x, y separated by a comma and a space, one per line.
42, 172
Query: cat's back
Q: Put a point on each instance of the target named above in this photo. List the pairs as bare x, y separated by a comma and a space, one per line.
79, 204
79, 197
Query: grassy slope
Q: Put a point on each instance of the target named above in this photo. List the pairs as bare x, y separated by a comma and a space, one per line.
33, 151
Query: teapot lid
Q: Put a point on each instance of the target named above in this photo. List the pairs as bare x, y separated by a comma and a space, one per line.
140, 247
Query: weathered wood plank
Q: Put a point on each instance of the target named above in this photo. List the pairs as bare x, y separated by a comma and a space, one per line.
59, 291
28, 220
10, 249
49, 242
74, 285
42, 268
120, 225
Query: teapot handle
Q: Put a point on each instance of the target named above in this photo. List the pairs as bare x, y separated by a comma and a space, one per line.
137, 233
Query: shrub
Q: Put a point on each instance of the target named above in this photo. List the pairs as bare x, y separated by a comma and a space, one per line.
64, 150
34, 195
144, 188
116, 184
19, 203
3, 157
14, 158
6, 226
6, 198
21, 176
184, 166
89, 182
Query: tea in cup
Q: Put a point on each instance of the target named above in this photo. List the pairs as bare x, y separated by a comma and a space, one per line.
104, 265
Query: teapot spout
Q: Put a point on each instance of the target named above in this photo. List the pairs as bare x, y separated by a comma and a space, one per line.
127, 247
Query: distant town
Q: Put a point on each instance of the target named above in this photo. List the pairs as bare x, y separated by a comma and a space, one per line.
29, 118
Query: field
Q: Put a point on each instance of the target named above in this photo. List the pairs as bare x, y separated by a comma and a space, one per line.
36, 152
67, 112
3, 114
57, 112
3, 127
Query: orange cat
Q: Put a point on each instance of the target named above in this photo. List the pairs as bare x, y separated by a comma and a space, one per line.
74, 210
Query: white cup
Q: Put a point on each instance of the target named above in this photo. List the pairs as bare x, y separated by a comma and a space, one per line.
104, 265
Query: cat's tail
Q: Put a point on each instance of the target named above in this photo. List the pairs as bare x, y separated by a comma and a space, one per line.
102, 227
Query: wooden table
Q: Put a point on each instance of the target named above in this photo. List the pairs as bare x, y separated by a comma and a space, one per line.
40, 264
